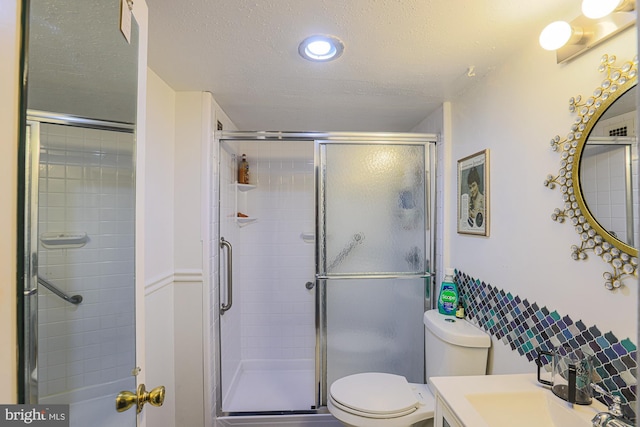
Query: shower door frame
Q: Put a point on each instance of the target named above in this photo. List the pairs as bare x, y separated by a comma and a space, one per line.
369, 138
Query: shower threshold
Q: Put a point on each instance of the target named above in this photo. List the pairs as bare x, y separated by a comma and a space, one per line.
272, 387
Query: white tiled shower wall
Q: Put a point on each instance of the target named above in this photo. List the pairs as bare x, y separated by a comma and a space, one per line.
86, 185
606, 192
272, 317
274, 262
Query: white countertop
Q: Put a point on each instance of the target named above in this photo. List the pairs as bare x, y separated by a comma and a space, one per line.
508, 396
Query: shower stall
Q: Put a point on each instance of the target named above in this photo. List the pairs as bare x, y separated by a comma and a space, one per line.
324, 265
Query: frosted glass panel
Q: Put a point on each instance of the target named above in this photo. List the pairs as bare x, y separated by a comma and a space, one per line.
375, 325
372, 206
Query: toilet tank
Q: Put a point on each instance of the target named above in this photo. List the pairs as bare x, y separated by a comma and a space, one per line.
453, 346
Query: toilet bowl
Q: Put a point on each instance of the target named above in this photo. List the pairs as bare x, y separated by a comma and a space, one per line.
376, 399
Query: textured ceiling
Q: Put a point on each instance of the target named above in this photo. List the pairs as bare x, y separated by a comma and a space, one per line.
402, 58
79, 62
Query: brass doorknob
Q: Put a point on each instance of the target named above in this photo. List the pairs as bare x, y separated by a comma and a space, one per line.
126, 399
155, 397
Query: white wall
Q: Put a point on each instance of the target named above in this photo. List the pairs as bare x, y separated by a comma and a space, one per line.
514, 112
159, 246
193, 114
159, 197
9, 87
180, 255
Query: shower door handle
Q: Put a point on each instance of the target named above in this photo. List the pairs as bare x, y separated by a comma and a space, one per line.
226, 306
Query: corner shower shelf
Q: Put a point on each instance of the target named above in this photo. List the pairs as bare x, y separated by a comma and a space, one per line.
242, 188
245, 221
64, 240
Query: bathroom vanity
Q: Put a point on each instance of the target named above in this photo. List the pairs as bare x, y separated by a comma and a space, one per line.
505, 401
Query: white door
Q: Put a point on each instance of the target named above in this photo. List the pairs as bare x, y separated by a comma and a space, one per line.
83, 312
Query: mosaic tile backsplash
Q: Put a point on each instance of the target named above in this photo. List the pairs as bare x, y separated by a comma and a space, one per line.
526, 327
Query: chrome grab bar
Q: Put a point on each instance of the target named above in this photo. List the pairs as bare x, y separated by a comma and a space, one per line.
229, 303
75, 299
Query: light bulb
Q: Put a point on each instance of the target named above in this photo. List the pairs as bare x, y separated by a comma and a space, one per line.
555, 35
596, 9
319, 48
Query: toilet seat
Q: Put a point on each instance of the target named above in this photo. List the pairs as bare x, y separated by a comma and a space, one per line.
373, 415
375, 395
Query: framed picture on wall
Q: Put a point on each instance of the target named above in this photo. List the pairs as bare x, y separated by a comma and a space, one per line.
473, 194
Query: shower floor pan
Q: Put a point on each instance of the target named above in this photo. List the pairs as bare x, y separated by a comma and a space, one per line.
272, 385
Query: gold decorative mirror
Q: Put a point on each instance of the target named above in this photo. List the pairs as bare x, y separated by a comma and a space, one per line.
599, 172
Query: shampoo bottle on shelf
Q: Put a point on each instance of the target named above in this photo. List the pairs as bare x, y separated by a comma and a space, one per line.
243, 170
448, 298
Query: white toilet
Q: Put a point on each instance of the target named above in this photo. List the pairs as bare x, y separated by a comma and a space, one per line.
452, 347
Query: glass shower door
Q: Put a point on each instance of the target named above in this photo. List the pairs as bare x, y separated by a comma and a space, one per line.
373, 257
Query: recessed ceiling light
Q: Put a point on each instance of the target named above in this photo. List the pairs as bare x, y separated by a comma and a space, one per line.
321, 48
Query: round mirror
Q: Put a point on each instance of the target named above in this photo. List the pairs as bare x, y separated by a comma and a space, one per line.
609, 170
607, 161
599, 170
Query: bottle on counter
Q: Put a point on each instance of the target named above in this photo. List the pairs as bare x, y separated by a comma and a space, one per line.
243, 170
460, 310
448, 298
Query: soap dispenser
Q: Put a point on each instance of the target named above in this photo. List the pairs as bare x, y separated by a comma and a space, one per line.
448, 299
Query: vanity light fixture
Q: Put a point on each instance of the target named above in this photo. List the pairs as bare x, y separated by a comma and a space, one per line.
321, 48
601, 20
